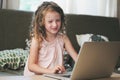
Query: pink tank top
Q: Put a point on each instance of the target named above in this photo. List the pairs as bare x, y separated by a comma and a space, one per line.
50, 54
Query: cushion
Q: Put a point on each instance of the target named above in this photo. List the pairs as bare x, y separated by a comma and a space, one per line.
13, 59
89, 38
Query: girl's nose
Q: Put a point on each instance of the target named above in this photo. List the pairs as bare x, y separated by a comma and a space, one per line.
54, 24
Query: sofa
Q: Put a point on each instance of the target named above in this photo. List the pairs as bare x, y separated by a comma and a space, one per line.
14, 30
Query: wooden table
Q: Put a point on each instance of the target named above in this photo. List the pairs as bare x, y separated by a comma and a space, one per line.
39, 77
113, 77
35, 77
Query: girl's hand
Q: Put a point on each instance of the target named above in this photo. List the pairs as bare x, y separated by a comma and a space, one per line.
58, 69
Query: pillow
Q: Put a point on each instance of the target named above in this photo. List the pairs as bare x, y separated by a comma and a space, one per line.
13, 59
89, 38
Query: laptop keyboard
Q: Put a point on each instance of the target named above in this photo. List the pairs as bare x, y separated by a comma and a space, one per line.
64, 76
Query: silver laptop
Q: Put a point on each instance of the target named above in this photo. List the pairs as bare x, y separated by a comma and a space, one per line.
95, 60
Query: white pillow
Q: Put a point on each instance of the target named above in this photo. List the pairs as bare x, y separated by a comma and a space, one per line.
89, 38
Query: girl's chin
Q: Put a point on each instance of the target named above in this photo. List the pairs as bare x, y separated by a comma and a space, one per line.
54, 32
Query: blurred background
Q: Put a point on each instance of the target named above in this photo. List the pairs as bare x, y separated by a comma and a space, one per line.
108, 8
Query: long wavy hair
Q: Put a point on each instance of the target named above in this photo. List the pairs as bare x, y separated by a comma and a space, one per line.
37, 29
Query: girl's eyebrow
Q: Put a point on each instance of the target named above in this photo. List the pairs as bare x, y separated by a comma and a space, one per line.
53, 18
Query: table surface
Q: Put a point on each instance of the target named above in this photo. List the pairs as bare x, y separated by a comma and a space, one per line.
40, 77
35, 77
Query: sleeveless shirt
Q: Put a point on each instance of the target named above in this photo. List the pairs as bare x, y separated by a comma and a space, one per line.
50, 54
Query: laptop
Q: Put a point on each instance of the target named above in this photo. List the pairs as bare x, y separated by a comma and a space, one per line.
95, 60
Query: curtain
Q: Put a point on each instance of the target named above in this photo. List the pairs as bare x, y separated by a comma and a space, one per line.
91, 7
1, 1
118, 11
11, 4
107, 8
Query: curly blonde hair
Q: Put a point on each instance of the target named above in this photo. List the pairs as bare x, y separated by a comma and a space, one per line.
38, 29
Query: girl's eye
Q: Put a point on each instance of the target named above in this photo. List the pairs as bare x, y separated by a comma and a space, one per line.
50, 21
58, 20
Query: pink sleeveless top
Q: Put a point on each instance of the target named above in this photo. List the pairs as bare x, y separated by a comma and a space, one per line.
50, 54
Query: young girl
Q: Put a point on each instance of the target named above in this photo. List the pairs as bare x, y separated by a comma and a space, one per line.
48, 41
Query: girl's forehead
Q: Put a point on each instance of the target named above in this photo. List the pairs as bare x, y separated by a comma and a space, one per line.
52, 14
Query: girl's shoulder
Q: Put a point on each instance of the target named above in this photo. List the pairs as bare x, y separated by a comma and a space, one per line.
34, 42
63, 36
60, 35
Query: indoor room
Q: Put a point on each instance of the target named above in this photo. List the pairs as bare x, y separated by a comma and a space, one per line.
32, 29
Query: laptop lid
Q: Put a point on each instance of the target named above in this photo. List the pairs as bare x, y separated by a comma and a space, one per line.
96, 60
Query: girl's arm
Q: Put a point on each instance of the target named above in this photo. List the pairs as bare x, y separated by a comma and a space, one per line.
33, 60
69, 48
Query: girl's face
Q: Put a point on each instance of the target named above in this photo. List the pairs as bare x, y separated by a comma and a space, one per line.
52, 22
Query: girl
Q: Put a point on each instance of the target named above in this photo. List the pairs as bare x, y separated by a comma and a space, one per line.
48, 41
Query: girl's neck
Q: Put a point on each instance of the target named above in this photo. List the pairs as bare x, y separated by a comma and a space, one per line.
50, 38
